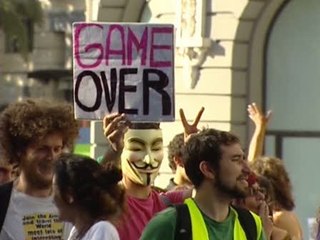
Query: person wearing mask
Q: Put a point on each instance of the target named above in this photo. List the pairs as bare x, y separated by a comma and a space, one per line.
138, 149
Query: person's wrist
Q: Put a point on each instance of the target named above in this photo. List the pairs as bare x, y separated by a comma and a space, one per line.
261, 127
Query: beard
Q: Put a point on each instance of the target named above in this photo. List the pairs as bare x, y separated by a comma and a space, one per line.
36, 179
233, 192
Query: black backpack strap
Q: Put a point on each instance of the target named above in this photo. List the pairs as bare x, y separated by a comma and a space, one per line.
183, 223
5, 193
247, 222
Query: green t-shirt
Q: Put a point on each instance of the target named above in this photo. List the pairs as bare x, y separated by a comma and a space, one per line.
162, 226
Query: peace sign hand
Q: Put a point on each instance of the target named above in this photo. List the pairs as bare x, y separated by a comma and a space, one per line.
190, 129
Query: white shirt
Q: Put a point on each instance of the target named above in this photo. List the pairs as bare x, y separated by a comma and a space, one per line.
32, 218
102, 230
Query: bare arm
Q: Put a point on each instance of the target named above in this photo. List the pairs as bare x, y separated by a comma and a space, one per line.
288, 221
260, 121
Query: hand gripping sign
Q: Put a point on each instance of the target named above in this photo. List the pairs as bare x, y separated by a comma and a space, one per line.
125, 68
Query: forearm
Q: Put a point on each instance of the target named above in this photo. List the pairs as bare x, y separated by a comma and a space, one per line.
256, 143
260, 121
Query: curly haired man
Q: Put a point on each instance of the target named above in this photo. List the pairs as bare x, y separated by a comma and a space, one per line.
33, 133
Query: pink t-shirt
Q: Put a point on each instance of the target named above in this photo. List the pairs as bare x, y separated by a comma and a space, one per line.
140, 211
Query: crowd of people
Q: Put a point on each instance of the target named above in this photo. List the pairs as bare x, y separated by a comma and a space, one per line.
48, 192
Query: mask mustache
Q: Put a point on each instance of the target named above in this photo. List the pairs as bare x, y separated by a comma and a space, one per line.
146, 166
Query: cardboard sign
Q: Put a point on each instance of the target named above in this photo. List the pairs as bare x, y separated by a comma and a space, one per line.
125, 68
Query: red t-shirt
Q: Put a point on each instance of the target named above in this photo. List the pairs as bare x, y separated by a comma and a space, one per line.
140, 211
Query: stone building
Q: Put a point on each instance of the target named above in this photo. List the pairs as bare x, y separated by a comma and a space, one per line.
49, 71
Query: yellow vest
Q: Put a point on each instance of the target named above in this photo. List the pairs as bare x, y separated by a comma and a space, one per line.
199, 229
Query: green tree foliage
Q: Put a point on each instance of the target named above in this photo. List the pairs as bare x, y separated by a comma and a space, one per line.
13, 14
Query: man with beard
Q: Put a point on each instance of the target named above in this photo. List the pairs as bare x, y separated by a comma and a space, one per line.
33, 133
140, 149
216, 165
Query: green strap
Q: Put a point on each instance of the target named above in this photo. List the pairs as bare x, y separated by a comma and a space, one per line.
199, 229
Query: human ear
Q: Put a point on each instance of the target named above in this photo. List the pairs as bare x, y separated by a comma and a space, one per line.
207, 170
178, 161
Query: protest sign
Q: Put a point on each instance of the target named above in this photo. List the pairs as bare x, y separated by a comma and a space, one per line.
126, 68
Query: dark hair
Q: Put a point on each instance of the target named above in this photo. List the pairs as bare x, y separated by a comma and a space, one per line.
175, 149
205, 146
144, 125
266, 184
95, 188
273, 169
22, 123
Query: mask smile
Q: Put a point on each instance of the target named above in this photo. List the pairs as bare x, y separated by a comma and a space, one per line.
145, 173
145, 167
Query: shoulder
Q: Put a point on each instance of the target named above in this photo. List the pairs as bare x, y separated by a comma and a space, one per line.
158, 189
166, 216
289, 221
6, 188
5, 194
161, 226
175, 196
103, 224
243, 212
102, 230
278, 233
248, 220
286, 217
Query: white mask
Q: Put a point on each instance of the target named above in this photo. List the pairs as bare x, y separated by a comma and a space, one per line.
142, 155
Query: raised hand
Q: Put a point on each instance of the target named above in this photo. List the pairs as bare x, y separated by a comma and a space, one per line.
114, 127
257, 141
257, 116
190, 128
266, 219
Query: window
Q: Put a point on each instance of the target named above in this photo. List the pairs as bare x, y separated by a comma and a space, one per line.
11, 42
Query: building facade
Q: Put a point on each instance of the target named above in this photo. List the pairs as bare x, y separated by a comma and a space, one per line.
228, 54
49, 70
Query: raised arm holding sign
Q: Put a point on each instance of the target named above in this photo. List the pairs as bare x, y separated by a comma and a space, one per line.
139, 149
